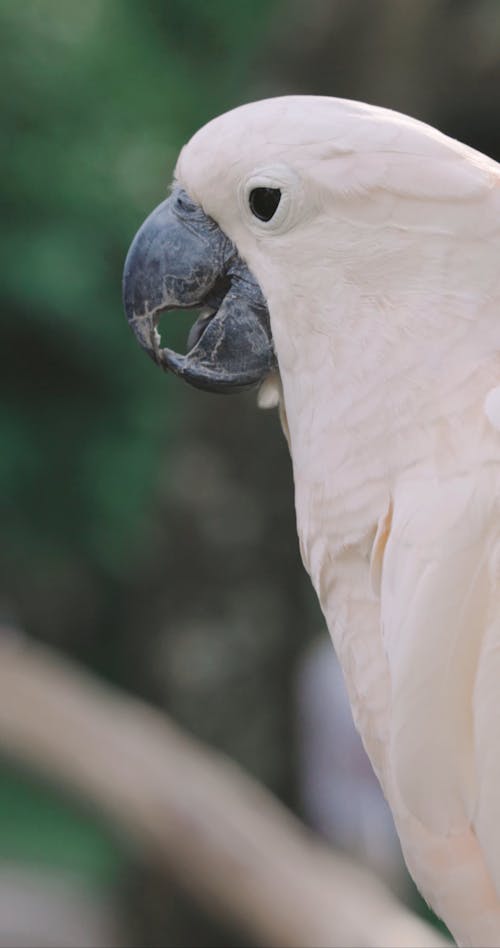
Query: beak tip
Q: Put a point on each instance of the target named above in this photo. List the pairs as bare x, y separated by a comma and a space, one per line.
170, 361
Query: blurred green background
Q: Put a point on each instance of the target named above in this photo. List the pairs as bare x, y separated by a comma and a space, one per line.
147, 530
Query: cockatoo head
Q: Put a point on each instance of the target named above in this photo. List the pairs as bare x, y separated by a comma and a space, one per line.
315, 235
255, 233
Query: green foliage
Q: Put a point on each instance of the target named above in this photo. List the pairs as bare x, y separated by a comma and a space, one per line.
39, 827
96, 100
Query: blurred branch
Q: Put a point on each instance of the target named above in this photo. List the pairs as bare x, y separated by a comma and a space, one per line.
224, 838
43, 908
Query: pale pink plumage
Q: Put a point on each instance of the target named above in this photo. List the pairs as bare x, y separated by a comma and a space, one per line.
382, 275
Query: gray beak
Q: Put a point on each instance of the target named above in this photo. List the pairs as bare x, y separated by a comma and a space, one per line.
181, 259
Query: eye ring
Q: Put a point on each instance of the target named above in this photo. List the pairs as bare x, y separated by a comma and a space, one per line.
264, 202
283, 186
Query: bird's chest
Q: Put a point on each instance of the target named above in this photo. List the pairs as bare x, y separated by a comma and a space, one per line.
337, 516
340, 573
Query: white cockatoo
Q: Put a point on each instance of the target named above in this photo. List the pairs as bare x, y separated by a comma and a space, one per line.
347, 259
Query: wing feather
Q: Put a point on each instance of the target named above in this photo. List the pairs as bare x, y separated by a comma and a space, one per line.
434, 599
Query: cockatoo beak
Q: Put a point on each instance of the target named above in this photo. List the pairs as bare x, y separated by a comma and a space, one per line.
181, 259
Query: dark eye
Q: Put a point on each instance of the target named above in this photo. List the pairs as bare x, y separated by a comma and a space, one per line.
264, 202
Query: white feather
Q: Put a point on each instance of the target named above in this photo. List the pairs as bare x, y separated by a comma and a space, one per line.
381, 273
433, 610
